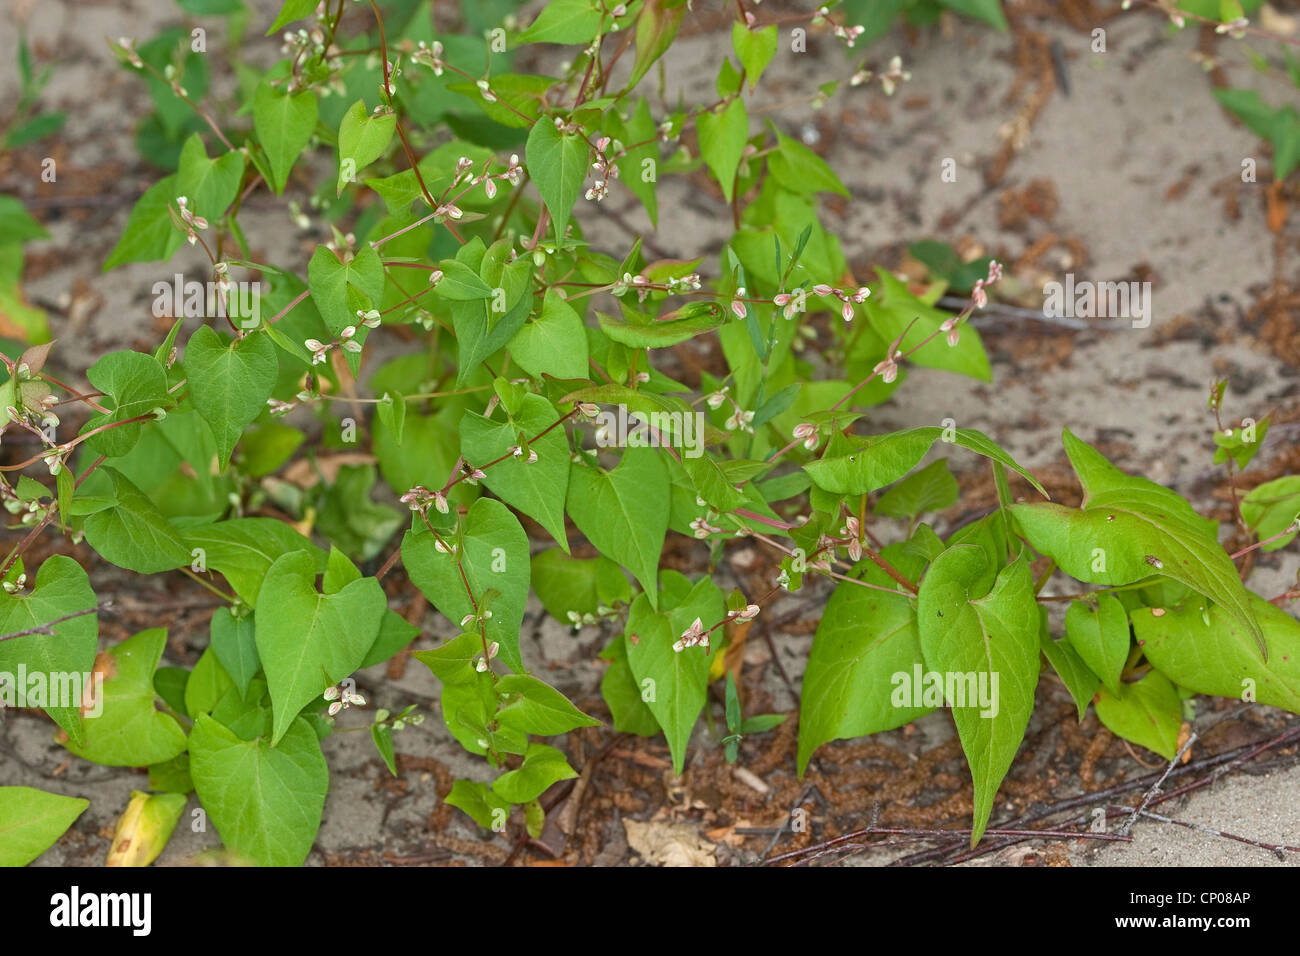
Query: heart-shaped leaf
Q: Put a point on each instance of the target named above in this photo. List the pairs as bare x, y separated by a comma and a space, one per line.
266, 802
61, 589
492, 553
312, 640
678, 680
538, 488
131, 731
987, 647
1220, 657
864, 639
1099, 634
1129, 528
624, 512
229, 383
32, 820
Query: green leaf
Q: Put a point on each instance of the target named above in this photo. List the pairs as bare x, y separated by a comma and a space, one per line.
1148, 713
624, 512
131, 731
699, 318
16, 223
990, 11
460, 283
542, 767
229, 383
656, 28
1099, 633
134, 534
754, 48
991, 639
722, 142
312, 640
290, 11
235, 646
284, 123
243, 549
933, 488
557, 163
481, 805
266, 802
1240, 444
1129, 528
149, 235
1078, 678
624, 695
865, 638
1271, 508
678, 679
134, 384
341, 289
564, 21
209, 185
493, 553
363, 137
394, 634
1219, 657
800, 170
208, 684
31, 821
892, 309
886, 458
535, 707
61, 588
537, 489
571, 587
554, 343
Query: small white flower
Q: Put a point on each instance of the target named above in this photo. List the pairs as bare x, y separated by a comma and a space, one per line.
693, 636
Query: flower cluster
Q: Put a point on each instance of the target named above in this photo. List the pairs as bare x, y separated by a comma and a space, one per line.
693, 636
604, 166
430, 56
193, 223
342, 696
807, 433
848, 299
420, 498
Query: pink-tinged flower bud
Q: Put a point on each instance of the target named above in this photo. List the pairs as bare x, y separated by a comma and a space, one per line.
717, 398
313, 345
953, 338
490, 187
693, 636
947, 324
804, 430
995, 272
978, 295
847, 311
749, 613
435, 277
440, 502
822, 289
887, 370
467, 620
782, 298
